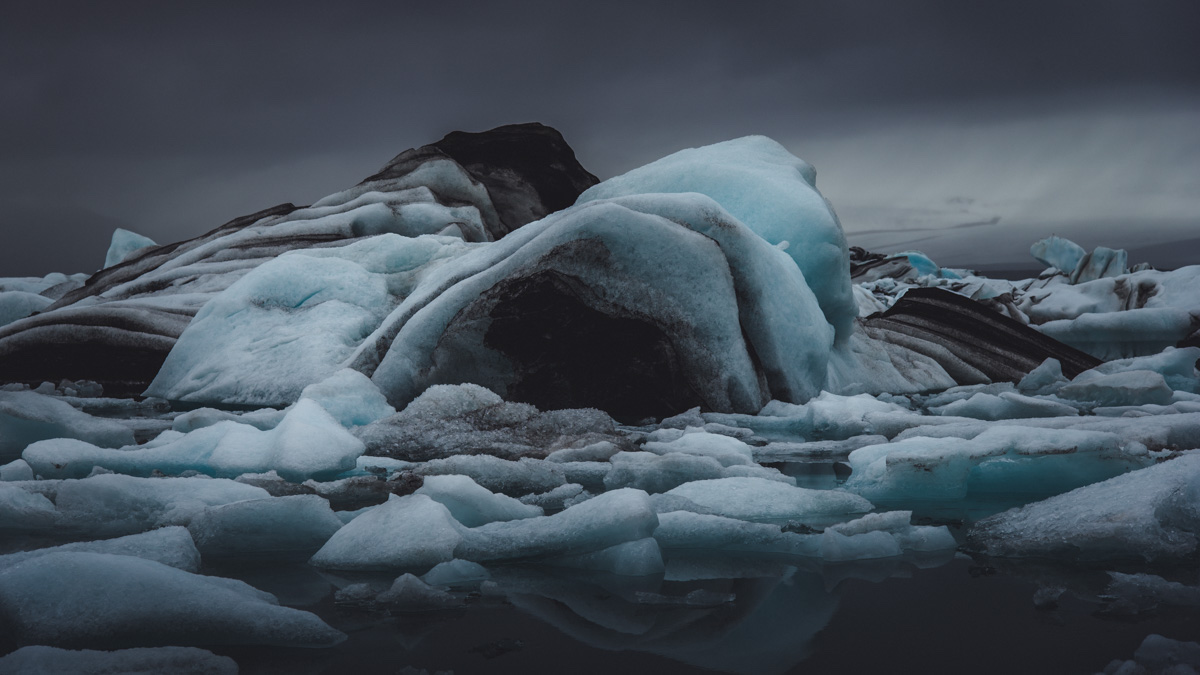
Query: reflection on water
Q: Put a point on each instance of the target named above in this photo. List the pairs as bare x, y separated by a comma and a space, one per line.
740, 615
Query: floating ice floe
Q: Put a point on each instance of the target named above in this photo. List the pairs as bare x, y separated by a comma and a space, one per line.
172, 546
26, 416
41, 660
1152, 514
998, 459
306, 443
276, 528
76, 599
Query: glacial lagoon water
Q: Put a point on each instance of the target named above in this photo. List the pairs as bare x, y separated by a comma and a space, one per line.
946, 612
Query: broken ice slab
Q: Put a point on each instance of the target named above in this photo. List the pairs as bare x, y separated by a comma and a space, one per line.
1149, 514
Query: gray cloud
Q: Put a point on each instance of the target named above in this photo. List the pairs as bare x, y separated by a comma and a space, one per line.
170, 118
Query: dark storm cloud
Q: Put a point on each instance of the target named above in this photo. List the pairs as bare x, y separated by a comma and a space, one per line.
170, 118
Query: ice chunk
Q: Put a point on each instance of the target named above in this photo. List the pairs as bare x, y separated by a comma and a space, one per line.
293, 527
882, 535
631, 559
410, 532
171, 546
350, 397
124, 244
264, 419
655, 473
112, 504
40, 660
1058, 252
759, 499
612, 518
473, 505
1045, 379
409, 592
1006, 405
600, 451
1100, 263
24, 510
1159, 655
26, 417
1151, 513
1133, 387
18, 469
293, 320
19, 304
771, 191
556, 499
728, 451
456, 573
307, 443
467, 419
515, 479
999, 459
1177, 366
81, 599
686, 530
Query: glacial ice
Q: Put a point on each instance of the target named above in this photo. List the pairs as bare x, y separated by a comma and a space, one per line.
172, 546
1058, 252
456, 573
397, 362
276, 528
41, 660
20, 304
293, 320
306, 443
759, 499
26, 416
113, 504
411, 532
77, 599
996, 459
24, 510
1152, 514
770, 190
124, 244
422, 533
471, 504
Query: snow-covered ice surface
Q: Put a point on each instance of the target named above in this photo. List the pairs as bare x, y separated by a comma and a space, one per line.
391, 469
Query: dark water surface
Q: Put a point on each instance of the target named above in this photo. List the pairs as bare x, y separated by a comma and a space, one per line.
947, 615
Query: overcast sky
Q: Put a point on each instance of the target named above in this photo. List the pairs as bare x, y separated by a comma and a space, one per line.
968, 129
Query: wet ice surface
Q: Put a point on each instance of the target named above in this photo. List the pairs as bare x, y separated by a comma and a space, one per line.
850, 534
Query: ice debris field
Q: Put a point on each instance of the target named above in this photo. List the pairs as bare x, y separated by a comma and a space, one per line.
433, 392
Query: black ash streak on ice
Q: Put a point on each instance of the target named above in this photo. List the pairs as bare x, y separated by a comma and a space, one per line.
1056, 117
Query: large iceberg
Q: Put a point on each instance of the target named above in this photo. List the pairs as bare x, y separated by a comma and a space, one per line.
670, 412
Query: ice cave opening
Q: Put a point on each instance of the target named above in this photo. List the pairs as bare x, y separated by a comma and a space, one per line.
569, 354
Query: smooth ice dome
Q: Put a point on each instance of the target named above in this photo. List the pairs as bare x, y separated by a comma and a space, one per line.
769, 190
